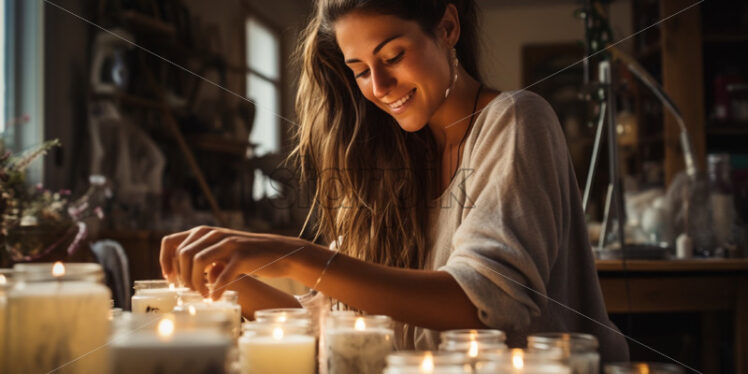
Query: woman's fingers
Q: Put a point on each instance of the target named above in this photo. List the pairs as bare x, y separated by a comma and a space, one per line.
169, 245
218, 252
200, 240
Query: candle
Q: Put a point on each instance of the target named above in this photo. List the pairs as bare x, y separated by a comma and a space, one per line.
417, 362
193, 303
277, 348
473, 342
357, 344
518, 361
580, 350
282, 315
155, 296
643, 368
58, 319
169, 344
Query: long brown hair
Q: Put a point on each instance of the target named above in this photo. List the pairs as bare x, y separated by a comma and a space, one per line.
371, 180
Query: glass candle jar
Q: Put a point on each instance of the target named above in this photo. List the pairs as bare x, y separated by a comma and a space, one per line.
417, 362
58, 315
170, 343
269, 347
194, 303
472, 342
282, 315
642, 368
519, 361
154, 296
357, 344
579, 349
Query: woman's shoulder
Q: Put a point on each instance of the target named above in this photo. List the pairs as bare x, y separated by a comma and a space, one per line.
510, 112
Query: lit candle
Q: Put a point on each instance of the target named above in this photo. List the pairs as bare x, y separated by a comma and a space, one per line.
518, 361
155, 296
193, 303
418, 362
169, 344
580, 350
473, 342
58, 319
277, 348
357, 344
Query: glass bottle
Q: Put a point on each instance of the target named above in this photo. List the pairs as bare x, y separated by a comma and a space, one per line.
722, 202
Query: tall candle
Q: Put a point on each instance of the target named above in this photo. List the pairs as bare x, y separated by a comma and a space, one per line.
357, 344
164, 345
277, 348
155, 296
58, 321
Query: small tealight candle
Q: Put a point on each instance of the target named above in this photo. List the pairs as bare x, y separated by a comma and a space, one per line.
57, 318
418, 362
169, 344
268, 347
357, 344
580, 350
155, 296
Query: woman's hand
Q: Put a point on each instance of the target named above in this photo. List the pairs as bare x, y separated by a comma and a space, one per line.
225, 254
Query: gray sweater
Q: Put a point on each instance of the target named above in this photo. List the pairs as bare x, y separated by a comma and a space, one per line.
510, 229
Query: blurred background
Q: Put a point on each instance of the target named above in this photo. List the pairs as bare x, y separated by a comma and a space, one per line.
148, 101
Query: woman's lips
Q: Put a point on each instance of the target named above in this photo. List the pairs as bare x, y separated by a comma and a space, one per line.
401, 104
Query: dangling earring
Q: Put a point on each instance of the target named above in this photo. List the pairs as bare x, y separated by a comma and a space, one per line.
454, 69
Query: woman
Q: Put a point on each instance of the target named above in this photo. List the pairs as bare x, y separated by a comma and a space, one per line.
454, 205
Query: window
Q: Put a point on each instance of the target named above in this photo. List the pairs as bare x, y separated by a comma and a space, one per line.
264, 89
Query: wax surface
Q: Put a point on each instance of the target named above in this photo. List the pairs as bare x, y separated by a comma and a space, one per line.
294, 354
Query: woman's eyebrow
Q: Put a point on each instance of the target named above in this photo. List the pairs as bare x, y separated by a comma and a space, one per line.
377, 48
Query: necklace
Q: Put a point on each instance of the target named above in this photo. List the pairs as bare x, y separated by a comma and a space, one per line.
464, 136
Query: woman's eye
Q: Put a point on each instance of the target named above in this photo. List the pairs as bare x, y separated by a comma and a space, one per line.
396, 58
362, 74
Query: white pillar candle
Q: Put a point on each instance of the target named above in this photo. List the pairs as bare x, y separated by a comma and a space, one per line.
357, 344
155, 296
277, 348
58, 322
163, 346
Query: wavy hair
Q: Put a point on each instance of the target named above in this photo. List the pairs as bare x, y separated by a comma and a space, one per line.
371, 180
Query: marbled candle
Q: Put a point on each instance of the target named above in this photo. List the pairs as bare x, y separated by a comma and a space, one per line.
358, 344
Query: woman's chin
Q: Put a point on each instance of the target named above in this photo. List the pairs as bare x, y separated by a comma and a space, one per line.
410, 125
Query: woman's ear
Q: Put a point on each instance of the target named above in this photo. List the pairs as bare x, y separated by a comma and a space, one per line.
449, 26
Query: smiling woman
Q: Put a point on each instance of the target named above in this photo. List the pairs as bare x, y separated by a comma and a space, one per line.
449, 205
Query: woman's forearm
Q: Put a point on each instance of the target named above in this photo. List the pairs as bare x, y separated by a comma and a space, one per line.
256, 295
431, 299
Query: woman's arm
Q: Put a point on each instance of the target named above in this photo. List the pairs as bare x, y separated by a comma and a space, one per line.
431, 299
255, 295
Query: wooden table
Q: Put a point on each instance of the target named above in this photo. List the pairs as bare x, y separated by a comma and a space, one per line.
699, 285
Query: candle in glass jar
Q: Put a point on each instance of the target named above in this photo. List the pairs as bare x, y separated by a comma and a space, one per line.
277, 348
164, 344
357, 344
155, 296
228, 305
58, 319
418, 362
579, 349
519, 361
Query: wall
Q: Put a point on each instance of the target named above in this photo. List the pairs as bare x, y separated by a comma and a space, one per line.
508, 25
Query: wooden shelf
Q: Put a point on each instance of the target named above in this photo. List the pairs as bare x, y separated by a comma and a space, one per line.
730, 129
700, 265
145, 23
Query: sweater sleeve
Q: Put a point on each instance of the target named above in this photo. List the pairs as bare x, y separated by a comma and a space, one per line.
512, 222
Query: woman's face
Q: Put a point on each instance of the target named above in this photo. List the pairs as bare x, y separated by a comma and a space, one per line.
397, 66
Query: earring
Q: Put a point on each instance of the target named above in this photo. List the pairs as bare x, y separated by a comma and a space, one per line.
454, 69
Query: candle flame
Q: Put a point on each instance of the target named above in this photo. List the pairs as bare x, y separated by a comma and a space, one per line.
165, 328
58, 269
3, 281
473, 351
360, 324
192, 310
208, 300
643, 368
171, 286
517, 360
278, 333
281, 318
428, 363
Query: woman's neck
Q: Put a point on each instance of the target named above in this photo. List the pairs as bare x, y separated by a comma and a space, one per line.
451, 120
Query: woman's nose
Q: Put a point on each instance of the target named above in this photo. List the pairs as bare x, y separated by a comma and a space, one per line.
382, 82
